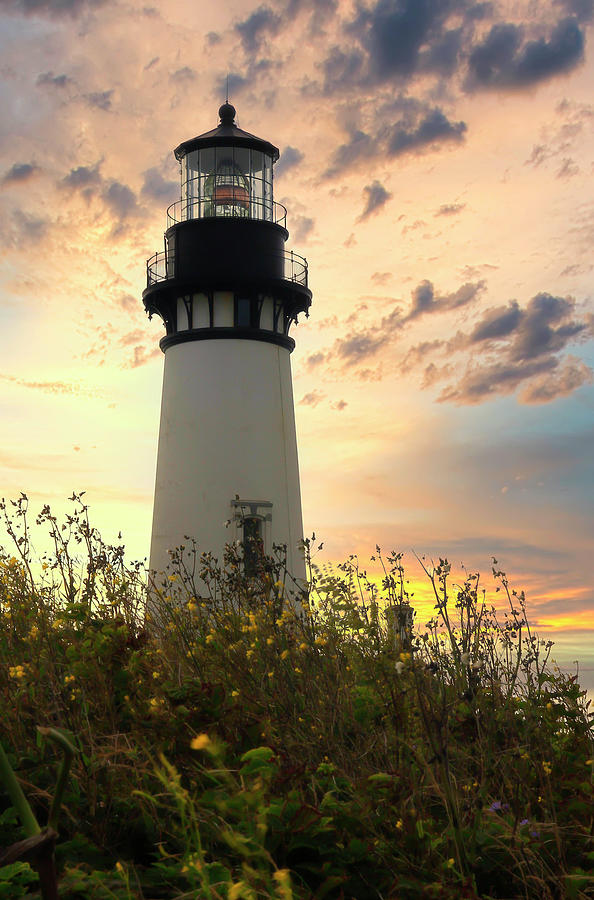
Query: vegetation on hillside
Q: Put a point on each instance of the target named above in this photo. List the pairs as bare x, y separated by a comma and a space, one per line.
248, 741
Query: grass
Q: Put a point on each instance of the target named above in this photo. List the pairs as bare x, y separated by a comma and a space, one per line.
246, 741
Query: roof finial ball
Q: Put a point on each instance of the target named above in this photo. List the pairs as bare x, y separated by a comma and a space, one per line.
227, 114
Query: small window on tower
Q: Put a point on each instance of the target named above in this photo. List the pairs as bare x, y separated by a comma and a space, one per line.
253, 544
244, 312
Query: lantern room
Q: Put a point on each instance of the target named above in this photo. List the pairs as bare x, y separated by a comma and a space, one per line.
226, 172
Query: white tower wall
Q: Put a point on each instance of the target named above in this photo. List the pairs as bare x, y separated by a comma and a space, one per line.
227, 428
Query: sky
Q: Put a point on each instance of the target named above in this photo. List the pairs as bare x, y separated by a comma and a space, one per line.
436, 163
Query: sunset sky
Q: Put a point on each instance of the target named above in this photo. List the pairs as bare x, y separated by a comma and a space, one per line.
436, 163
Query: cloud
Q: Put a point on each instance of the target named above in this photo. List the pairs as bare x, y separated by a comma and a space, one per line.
252, 30
434, 128
57, 81
583, 10
121, 200
510, 348
562, 382
544, 327
52, 8
302, 227
312, 398
141, 356
25, 229
425, 300
48, 387
83, 178
183, 75
99, 99
377, 196
504, 59
450, 209
289, 158
568, 169
20, 172
156, 187
315, 359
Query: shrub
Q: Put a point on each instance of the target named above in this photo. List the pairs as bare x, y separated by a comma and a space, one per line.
244, 739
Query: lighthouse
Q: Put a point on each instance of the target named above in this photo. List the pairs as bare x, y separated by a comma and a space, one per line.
228, 292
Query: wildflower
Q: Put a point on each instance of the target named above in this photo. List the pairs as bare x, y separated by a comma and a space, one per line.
303, 646
270, 641
17, 672
283, 880
547, 768
284, 654
524, 822
173, 578
405, 657
155, 674
249, 653
191, 606
270, 674
236, 890
200, 742
320, 642
235, 693
590, 762
69, 678
119, 867
279, 586
399, 667
156, 702
210, 638
298, 670
451, 862
399, 824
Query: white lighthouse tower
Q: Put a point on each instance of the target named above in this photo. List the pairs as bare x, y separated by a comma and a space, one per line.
228, 293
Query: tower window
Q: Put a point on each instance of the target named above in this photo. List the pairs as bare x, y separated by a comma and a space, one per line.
244, 312
253, 544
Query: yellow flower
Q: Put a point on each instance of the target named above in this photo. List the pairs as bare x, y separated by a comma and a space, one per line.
236, 891
155, 674
200, 742
191, 606
69, 678
173, 578
270, 641
303, 646
405, 657
298, 670
249, 653
451, 862
210, 638
119, 867
270, 674
283, 880
399, 824
284, 654
235, 693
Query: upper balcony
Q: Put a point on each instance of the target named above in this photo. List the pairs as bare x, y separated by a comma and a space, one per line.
228, 202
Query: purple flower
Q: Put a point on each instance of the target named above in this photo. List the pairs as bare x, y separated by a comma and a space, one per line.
524, 822
495, 807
